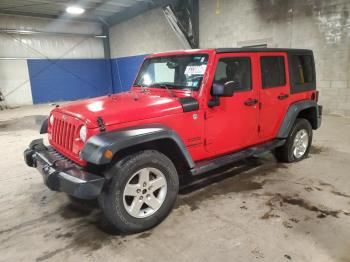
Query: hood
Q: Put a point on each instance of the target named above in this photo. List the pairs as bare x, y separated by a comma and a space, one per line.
120, 108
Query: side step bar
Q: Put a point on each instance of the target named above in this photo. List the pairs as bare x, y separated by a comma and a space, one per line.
211, 164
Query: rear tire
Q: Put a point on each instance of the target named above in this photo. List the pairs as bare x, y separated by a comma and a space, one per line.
298, 142
142, 191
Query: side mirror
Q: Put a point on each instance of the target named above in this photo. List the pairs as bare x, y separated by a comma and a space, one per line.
226, 89
218, 90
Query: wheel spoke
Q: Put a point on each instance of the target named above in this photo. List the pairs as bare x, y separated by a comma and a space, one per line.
157, 183
300, 143
131, 189
153, 202
135, 206
144, 176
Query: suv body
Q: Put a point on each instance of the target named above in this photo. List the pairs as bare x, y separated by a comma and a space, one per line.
187, 112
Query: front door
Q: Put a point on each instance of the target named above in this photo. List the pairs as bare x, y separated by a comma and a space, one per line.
233, 124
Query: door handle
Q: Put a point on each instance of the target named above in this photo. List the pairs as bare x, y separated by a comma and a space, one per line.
283, 96
251, 102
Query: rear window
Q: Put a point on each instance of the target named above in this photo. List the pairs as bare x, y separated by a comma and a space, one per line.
272, 71
302, 69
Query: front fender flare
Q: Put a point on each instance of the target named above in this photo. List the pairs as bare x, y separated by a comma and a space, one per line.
94, 148
44, 126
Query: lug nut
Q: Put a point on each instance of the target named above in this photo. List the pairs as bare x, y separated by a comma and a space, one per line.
141, 197
138, 190
144, 184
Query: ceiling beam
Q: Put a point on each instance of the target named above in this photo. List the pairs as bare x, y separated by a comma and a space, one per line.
39, 15
106, 44
37, 32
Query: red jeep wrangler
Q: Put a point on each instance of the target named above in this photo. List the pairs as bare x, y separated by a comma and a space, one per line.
187, 112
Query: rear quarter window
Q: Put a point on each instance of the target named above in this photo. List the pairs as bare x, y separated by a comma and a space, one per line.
302, 69
302, 72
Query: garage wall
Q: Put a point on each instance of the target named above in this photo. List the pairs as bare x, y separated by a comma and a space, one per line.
69, 79
15, 82
17, 77
146, 33
320, 25
43, 46
132, 39
124, 70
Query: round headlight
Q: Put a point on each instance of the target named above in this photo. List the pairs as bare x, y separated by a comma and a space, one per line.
51, 120
82, 133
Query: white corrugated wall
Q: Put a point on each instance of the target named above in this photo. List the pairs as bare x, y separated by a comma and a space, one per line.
15, 49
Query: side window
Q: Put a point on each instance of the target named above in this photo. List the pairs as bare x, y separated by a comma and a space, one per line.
272, 71
302, 69
236, 69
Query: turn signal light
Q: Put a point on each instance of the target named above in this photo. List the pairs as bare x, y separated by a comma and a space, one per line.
108, 154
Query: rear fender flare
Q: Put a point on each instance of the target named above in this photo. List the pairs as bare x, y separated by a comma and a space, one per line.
292, 114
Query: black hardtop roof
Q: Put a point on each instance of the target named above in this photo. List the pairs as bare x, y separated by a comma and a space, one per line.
261, 49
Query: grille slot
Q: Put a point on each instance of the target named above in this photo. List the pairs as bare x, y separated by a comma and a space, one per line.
63, 133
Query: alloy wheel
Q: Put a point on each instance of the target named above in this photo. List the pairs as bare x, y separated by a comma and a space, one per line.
145, 192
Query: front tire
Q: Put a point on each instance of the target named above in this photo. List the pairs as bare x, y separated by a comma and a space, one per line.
142, 191
298, 142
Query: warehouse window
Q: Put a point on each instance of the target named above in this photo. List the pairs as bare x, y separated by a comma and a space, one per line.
302, 69
234, 69
272, 71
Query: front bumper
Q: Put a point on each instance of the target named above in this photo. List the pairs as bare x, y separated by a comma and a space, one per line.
60, 174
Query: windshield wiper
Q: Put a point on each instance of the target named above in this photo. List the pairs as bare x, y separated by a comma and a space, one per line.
143, 87
165, 86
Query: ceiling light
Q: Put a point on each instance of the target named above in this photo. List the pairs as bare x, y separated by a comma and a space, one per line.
75, 10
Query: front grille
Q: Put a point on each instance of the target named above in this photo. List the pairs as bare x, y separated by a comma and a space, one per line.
63, 134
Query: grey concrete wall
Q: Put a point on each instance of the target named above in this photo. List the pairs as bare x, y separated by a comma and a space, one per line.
147, 33
321, 25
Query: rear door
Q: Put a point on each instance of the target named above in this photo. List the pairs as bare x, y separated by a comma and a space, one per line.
274, 93
233, 124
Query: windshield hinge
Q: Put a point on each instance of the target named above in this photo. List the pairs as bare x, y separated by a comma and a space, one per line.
101, 124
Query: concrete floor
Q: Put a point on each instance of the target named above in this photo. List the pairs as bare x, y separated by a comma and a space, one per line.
256, 210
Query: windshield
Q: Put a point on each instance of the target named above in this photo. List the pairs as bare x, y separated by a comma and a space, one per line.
173, 72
